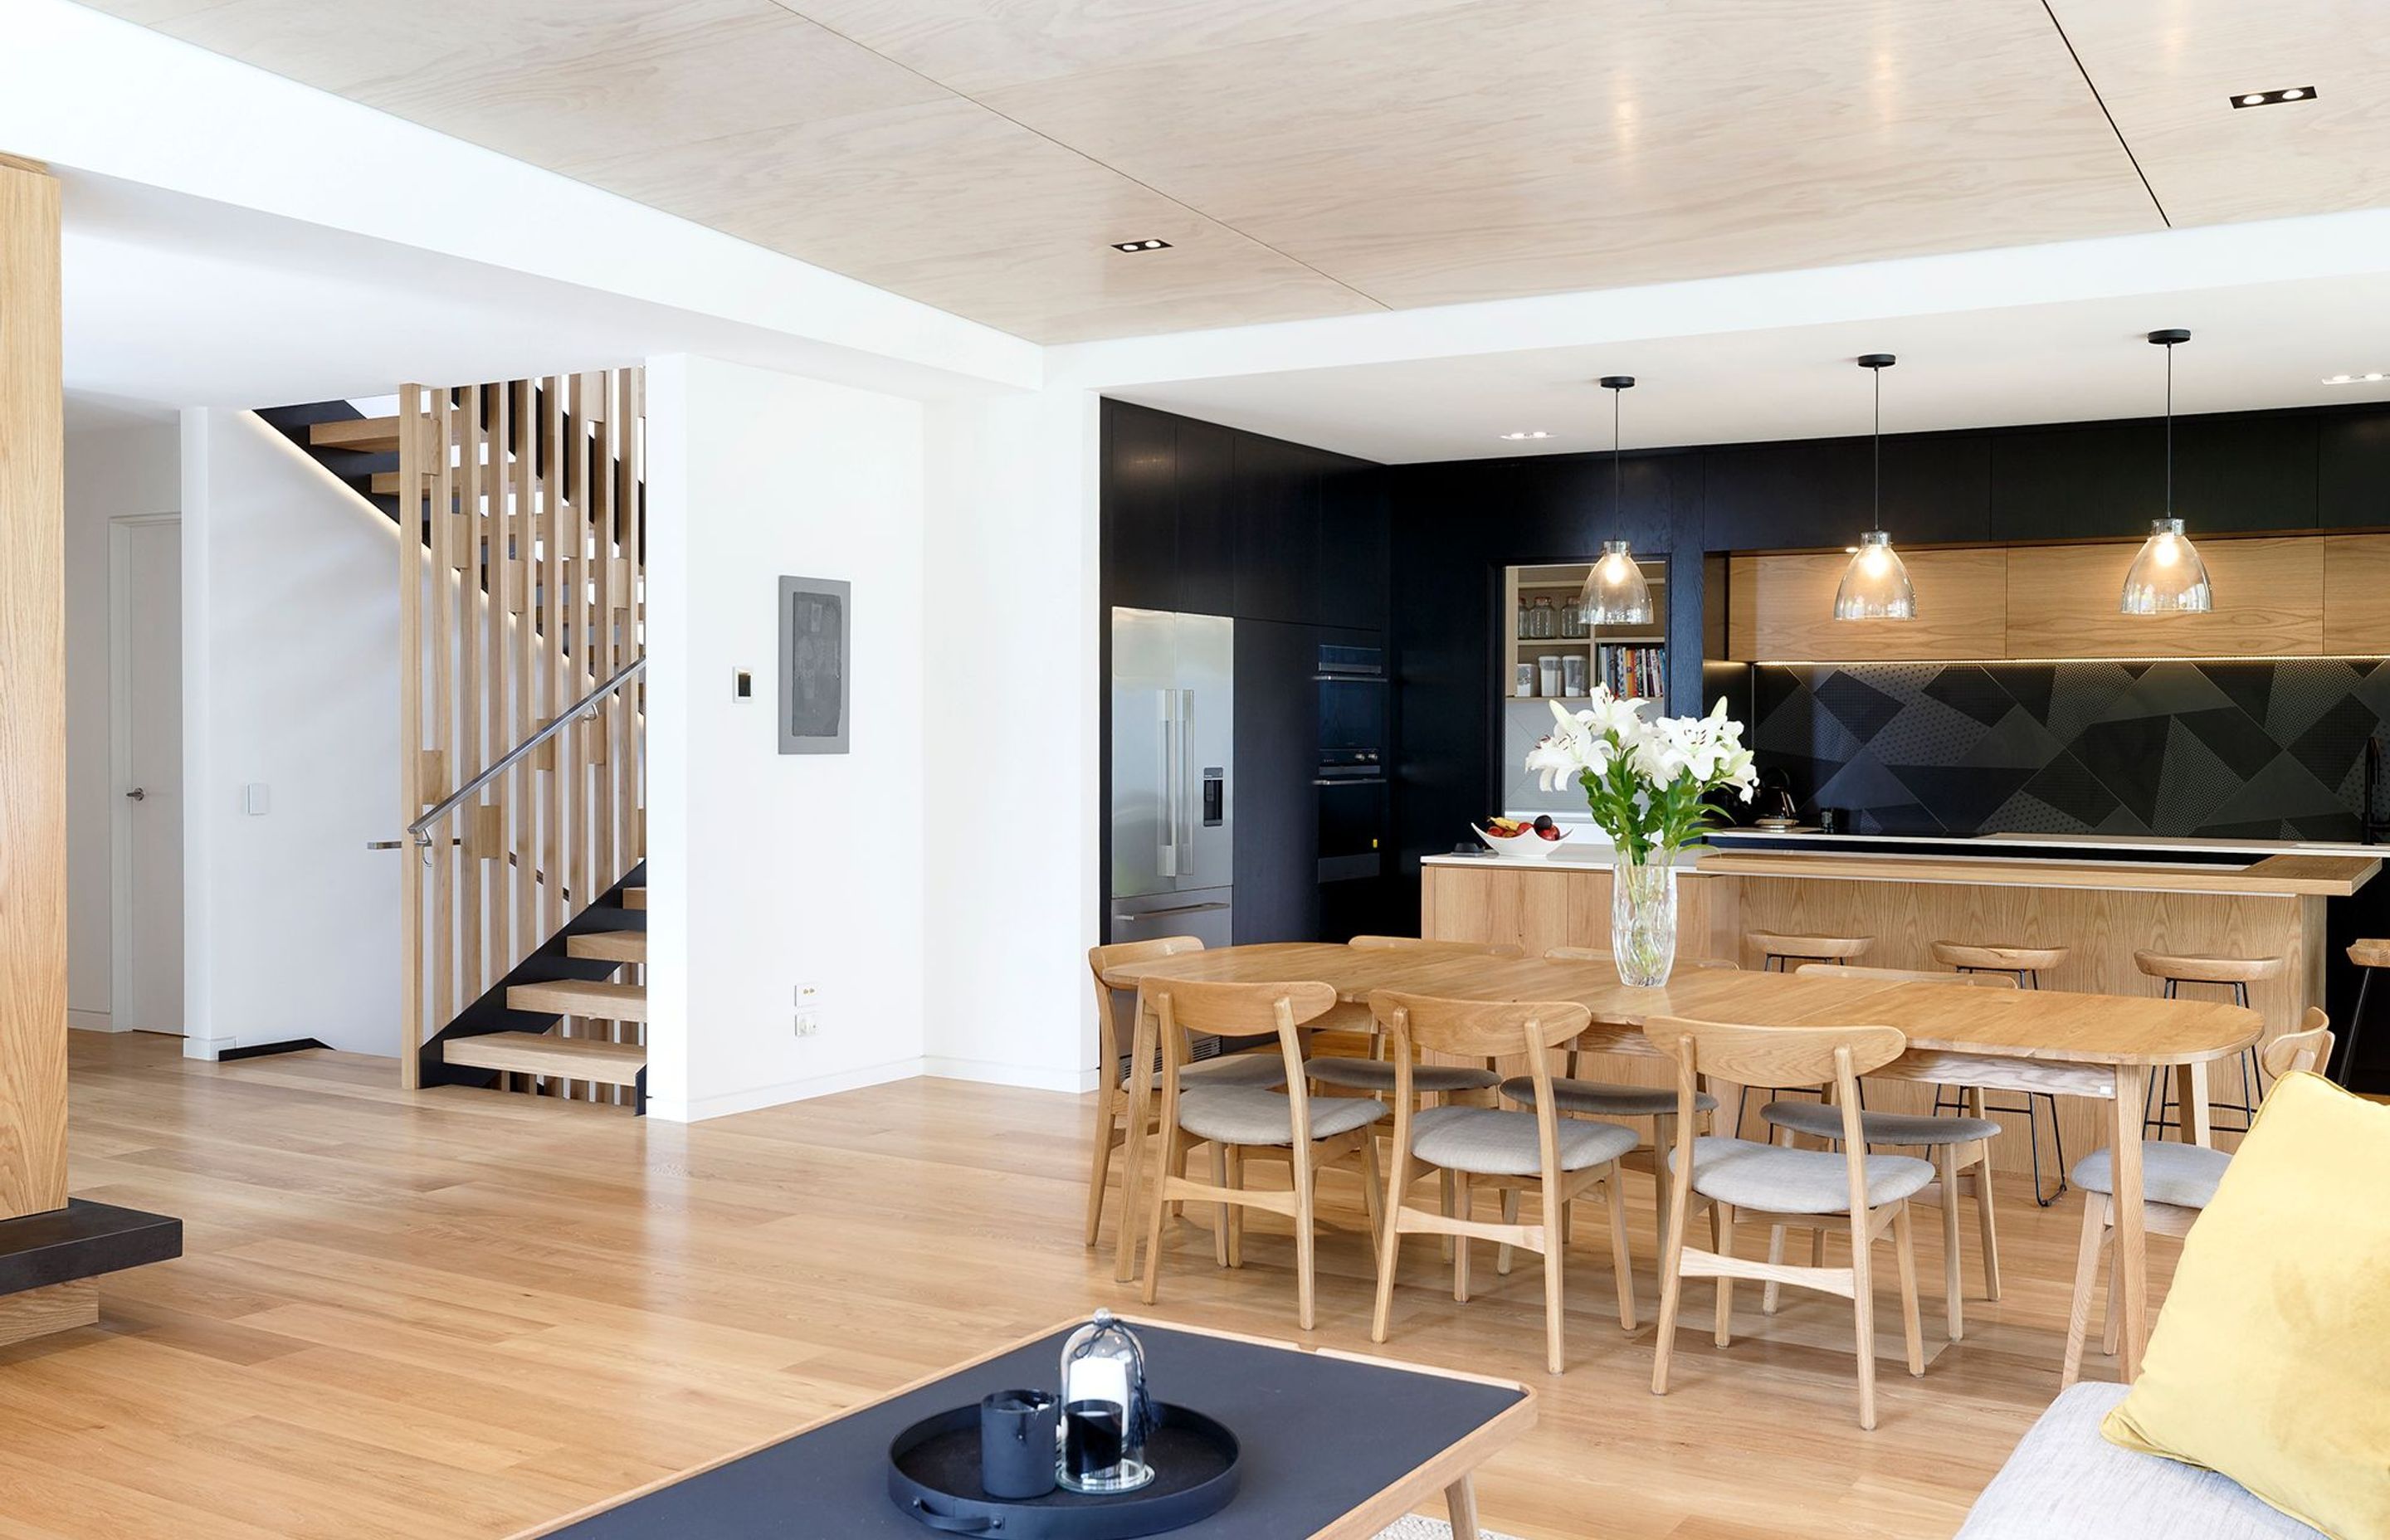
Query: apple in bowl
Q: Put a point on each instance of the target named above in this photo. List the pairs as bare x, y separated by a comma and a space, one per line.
1519, 840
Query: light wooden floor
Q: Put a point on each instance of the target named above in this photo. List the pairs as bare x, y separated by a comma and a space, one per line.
459, 1313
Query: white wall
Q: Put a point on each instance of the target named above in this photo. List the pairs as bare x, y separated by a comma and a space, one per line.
1012, 633
111, 473
765, 869
290, 679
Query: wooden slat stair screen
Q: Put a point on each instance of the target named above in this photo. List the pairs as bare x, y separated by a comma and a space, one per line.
522, 594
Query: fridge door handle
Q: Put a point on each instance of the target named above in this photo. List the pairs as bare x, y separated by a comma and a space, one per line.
1166, 856
1183, 809
1175, 909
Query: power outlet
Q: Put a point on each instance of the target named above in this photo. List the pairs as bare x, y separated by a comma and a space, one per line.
809, 995
808, 1023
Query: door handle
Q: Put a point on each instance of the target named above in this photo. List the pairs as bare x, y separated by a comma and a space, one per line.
1176, 909
1166, 858
139, 795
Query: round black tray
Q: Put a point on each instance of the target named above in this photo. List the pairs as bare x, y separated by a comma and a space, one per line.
933, 1475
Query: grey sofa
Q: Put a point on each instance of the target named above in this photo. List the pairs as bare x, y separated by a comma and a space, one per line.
2065, 1480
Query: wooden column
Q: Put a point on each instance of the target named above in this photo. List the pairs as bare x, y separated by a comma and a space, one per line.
32, 701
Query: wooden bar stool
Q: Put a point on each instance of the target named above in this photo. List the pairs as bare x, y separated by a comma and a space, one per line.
2024, 965
2233, 973
2368, 955
1777, 953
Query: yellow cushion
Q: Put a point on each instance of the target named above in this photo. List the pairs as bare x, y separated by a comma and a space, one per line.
2270, 1362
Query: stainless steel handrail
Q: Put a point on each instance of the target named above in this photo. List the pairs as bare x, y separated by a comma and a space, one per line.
581, 710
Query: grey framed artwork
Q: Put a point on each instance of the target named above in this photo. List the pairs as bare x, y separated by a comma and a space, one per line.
814, 665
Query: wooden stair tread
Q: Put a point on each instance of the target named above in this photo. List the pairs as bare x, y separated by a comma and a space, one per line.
630, 946
364, 435
540, 1053
609, 1002
634, 898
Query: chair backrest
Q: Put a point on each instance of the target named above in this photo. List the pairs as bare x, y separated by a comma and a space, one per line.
2308, 1048
1910, 975
1115, 1019
1595, 954
1777, 1056
1477, 948
1774, 1056
1181, 1008
1477, 1029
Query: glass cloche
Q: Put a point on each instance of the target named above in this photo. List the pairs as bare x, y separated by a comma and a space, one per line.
1106, 1412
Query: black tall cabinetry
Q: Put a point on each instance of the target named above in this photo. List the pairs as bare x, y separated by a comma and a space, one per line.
1291, 542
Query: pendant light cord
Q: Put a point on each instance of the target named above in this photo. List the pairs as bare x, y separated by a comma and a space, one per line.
2169, 432
1617, 471
1879, 446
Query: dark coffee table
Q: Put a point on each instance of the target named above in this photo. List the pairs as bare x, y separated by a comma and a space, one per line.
1334, 1445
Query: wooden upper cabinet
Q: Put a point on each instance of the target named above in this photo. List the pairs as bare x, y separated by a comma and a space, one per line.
2269, 603
1782, 608
2356, 594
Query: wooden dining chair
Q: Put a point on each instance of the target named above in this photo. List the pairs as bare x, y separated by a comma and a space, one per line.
1814, 1187
1603, 1099
1116, 1030
1960, 1149
2177, 1183
1558, 1158
1375, 1074
1239, 1122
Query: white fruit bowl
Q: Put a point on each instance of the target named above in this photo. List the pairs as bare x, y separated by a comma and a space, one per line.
1526, 846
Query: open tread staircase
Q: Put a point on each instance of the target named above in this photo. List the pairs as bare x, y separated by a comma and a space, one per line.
544, 1054
626, 946
609, 1002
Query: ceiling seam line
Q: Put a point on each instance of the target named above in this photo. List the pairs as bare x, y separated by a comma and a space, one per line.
2102, 103
1073, 149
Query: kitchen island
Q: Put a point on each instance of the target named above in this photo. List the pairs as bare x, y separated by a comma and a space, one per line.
2101, 900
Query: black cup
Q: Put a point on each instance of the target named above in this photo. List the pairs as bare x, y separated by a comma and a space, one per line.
1092, 1437
1016, 1444
1832, 820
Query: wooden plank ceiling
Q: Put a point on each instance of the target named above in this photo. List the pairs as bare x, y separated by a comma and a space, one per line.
1311, 158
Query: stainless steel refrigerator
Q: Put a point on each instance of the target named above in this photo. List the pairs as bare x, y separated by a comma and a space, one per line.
1173, 776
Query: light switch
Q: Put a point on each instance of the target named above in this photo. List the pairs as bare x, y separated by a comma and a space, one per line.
257, 799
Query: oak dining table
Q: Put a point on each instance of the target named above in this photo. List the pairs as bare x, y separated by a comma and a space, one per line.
2097, 1046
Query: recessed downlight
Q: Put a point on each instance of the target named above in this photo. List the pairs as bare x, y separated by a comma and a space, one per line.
1522, 433
2274, 99
2371, 376
1147, 245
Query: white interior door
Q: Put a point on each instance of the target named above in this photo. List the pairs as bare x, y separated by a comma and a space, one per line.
147, 620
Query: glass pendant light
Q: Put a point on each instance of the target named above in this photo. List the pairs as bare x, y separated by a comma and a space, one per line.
1615, 592
2167, 577
1875, 586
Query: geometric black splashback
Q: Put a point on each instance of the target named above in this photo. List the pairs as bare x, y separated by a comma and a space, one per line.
2229, 750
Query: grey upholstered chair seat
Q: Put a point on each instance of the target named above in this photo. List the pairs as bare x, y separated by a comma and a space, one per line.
1825, 1120
1603, 1099
1265, 1069
1488, 1142
1241, 1114
1776, 1180
2182, 1174
1377, 1075
2065, 1480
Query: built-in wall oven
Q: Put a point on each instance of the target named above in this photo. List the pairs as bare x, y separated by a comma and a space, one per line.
1351, 774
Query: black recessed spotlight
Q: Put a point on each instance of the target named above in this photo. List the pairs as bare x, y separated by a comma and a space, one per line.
2274, 99
1140, 246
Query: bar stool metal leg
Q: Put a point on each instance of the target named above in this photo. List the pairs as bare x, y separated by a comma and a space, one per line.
2355, 1025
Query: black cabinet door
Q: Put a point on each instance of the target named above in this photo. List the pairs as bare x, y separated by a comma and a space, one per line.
1276, 506
1140, 493
1276, 861
1207, 530
2352, 470
1352, 559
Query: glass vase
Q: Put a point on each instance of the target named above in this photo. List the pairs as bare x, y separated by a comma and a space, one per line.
1643, 921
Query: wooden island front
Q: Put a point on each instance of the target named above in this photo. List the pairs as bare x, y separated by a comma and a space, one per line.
2101, 911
